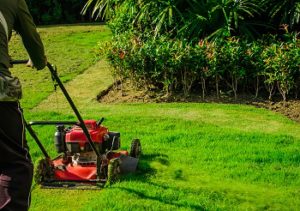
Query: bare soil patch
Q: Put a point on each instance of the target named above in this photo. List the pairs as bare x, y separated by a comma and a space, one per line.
291, 108
126, 92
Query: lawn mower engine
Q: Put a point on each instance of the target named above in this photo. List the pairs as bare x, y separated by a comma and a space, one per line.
74, 142
78, 161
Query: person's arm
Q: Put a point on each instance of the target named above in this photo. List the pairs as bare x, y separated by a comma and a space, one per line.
31, 39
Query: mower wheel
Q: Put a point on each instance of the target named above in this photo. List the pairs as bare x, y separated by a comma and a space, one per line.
43, 171
136, 148
114, 171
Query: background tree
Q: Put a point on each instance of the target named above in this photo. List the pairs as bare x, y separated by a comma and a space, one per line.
55, 11
283, 12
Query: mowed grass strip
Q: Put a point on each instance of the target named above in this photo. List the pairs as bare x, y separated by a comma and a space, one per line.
196, 156
71, 48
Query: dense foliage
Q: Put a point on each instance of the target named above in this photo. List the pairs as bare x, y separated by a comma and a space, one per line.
230, 65
184, 45
194, 19
55, 11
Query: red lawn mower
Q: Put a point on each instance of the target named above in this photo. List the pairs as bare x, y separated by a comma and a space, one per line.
88, 152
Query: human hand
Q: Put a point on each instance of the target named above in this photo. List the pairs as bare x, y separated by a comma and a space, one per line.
29, 64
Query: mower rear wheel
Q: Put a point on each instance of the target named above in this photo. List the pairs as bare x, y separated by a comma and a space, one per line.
43, 171
114, 171
136, 148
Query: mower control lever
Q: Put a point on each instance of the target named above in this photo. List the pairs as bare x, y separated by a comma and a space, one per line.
100, 121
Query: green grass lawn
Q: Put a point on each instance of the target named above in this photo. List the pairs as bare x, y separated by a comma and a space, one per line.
196, 156
71, 48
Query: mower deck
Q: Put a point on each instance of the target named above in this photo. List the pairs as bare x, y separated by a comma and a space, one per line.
84, 172
71, 172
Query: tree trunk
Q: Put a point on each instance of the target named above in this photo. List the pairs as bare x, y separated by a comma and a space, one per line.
203, 84
185, 83
257, 87
271, 91
217, 86
234, 86
283, 92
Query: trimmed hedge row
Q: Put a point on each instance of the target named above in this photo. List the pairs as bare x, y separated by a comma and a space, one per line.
266, 66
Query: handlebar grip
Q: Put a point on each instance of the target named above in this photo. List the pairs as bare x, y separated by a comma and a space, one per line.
18, 62
14, 62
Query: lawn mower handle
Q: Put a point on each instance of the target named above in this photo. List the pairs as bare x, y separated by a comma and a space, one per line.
81, 122
55, 77
19, 62
53, 123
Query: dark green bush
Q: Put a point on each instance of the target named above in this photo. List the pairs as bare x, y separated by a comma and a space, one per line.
56, 11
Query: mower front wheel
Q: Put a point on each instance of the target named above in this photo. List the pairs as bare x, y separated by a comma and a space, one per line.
136, 148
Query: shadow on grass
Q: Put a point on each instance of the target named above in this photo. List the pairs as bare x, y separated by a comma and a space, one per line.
144, 174
144, 169
161, 199
159, 157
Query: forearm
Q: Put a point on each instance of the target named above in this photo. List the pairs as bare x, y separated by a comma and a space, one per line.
31, 39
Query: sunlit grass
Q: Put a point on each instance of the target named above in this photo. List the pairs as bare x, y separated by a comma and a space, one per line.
196, 156
71, 48
196, 163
